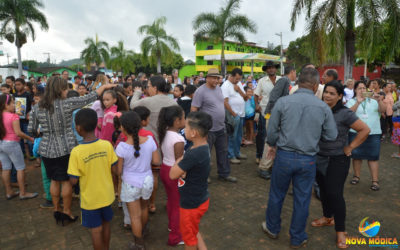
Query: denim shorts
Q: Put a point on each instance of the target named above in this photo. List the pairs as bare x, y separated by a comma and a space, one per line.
130, 193
94, 218
11, 153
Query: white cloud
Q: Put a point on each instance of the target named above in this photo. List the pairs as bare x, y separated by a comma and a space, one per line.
71, 22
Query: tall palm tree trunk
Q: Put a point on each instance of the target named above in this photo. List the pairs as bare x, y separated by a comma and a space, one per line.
349, 51
350, 41
223, 68
158, 64
19, 61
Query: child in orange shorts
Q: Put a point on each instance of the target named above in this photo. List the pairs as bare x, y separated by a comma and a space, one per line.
193, 170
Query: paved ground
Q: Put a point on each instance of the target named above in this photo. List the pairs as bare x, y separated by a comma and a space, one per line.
232, 222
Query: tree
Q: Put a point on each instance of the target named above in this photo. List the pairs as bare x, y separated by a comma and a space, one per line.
121, 59
157, 44
30, 64
17, 19
176, 62
332, 26
96, 52
223, 25
298, 51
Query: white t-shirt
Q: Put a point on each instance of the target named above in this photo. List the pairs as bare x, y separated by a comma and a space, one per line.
263, 89
234, 98
349, 93
167, 147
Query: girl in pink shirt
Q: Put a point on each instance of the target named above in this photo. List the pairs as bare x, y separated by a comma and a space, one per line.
170, 121
111, 102
10, 150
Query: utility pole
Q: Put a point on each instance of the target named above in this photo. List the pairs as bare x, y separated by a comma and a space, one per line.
48, 56
281, 57
8, 59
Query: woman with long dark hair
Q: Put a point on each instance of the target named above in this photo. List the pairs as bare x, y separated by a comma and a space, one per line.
333, 161
54, 115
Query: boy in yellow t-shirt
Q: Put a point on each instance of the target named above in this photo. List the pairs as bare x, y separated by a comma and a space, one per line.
91, 162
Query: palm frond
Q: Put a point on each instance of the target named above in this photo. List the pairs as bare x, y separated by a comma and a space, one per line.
391, 7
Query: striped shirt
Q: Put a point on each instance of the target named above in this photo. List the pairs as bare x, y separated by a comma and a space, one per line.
58, 138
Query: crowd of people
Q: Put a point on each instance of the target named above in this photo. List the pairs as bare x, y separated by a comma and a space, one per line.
109, 139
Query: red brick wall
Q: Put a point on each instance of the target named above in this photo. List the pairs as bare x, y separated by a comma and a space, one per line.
358, 71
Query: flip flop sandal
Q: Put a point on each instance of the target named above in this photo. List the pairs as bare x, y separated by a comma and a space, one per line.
355, 180
9, 197
33, 195
375, 187
394, 155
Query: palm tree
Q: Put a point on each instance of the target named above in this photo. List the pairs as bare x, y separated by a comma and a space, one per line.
223, 25
157, 44
121, 59
332, 27
17, 18
95, 52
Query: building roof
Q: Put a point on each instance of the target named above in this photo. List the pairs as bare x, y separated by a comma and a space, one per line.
251, 44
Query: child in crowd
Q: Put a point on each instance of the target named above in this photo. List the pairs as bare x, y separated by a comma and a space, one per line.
100, 114
5, 88
90, 163
250, 110
170, 121
112, 102
193, 170
73, 93
144, 114
186, 101
396, 128
128, 91
45, 180
117, 136
135, 157
178, 91
23, 101
82, 89
37, 97
10, 150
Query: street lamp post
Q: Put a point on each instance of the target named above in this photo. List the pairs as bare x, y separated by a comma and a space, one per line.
281, 56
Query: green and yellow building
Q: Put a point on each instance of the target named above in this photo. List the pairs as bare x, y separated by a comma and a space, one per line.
249, 57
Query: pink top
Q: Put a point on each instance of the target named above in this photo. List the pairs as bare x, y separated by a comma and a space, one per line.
167, 147
8, 119
107, 127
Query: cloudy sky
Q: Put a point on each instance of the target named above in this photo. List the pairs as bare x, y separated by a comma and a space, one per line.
72, 21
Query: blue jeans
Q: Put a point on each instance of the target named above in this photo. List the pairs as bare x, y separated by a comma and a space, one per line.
24, 128
219, 140
235, 140
299, 169
260, 138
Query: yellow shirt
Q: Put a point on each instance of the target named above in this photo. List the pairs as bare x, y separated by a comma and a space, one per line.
92, 162
394, 96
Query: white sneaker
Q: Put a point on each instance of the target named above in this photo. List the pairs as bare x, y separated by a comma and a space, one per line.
235, 161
